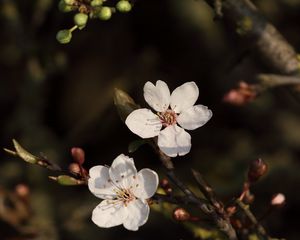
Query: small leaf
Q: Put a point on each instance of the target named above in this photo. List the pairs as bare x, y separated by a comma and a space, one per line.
124, 103
24, 154
66, 180
134, 145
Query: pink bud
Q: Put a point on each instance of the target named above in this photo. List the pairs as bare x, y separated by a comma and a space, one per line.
278, 200
180, 214
78, 155
241, 95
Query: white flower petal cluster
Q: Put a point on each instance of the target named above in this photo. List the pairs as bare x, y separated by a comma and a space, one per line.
124, 191
172, 110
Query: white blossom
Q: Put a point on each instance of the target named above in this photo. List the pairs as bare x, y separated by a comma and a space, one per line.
125, 192
171, 110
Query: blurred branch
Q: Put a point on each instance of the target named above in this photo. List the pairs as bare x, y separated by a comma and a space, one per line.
273, 48
274, 80
252, 218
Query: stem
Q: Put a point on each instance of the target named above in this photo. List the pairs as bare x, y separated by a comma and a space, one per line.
268, 42
253, 219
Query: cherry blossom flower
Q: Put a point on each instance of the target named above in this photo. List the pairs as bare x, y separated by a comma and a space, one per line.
172, 109
125, 192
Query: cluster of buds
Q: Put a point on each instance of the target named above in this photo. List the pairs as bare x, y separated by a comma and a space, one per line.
80, 174
88, 9
243, 94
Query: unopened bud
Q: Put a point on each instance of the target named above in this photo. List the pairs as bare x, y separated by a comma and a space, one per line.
69, 2
63, 7
78, 155
123, 6
74, 168
257, 169
96, 3
64, 36
80, 19
278, 200
22, 190
180, 214
105, 13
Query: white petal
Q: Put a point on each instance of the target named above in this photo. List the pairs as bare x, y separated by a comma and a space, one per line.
158, 96
123, 172
174, 141
144, 123
194, 117
146, 184
184, 96
138, 213
99, 182
109, 213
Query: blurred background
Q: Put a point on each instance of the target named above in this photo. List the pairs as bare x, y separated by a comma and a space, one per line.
54, 97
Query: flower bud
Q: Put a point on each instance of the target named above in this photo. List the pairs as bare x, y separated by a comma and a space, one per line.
80, 19
22, 191
105, 13
257, 169
69, 2
74, 168
278, 200
78, 155
123, 6
64, 36
96, 3
180, 214
63, 7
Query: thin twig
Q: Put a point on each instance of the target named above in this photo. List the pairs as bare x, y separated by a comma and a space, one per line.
253, 219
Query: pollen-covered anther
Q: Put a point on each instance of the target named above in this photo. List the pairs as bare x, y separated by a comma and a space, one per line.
168, 118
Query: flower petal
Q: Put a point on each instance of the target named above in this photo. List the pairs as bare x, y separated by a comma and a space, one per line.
194, 117
158, 96
109, 213
174, 141
184, 97
144, 123
123, 172
146, 184
138, 213
99, 182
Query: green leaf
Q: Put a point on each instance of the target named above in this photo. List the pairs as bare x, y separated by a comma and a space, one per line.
124, 103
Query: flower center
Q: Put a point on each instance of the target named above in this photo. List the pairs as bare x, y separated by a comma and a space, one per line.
125, 195
167, 118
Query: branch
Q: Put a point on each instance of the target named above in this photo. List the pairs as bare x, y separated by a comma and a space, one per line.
272, 47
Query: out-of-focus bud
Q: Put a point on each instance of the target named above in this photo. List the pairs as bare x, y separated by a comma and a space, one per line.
66, 180
249, 197
245, 93
257, 169
180, 214
278, 200
231, 210
80, 19
75, 168
123, 6
164, 183
96, 3
69, 2
22, 191
64, 36
62, 6
124, 103
105, 13
78, 155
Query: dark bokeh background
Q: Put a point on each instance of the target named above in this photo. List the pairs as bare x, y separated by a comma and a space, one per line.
54, 97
